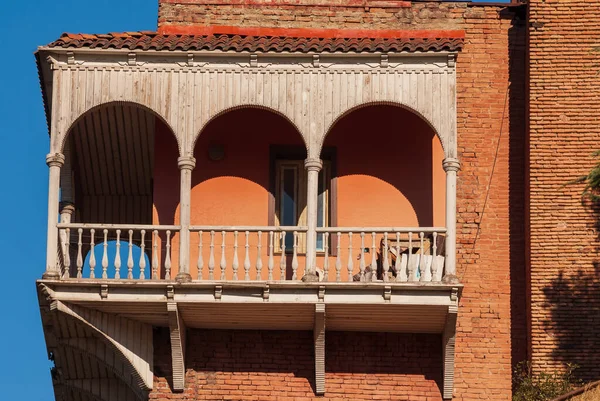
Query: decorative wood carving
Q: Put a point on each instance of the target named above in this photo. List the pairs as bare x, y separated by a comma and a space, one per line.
448, 346
319, 338
178, 339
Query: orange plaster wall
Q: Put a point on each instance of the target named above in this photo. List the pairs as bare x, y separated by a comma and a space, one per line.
388, 168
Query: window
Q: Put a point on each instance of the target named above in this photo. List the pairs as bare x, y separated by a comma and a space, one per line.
290, 200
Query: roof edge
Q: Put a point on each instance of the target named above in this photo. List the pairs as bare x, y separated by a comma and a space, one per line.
168, 29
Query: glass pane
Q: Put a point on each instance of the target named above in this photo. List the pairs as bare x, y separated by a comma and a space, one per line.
321, 207
288, 203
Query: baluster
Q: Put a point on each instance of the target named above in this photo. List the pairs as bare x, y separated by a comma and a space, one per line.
118, 256
259, 263
247, 258
373, 258
92, 255
295, 257
338, 259
434, 267
400, 270
155, 255
105, 255
235, 264
167, 256
361, 264
350, 261
67, 256
79, 253
271, 261
282, 261
200, 264
386, 261
142, 262
223, 264
411, 259
211, 257
130, 256
326, 260
422, 264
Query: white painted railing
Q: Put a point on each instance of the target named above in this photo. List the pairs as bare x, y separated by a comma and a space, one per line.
116, 251
386, 254
251, 253
247, 253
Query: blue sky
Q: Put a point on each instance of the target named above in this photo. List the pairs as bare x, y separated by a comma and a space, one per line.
24, 371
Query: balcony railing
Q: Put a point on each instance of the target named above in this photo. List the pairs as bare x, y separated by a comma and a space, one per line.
269, 253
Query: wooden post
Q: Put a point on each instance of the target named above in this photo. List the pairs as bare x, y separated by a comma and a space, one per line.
54, 162
313, 166
186, 165
451, 166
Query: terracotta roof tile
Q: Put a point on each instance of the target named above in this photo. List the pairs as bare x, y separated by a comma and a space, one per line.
154, 41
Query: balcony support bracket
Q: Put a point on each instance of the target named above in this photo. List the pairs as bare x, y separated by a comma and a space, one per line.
448, 343
178, 339
319, 338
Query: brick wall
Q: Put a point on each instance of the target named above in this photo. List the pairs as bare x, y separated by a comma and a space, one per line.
491, 334
564, 130
279, 366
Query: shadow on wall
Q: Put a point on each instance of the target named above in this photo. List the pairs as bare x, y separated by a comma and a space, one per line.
573, 301
250, 361
392, 145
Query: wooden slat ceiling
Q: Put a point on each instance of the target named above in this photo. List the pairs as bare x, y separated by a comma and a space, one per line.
114, 151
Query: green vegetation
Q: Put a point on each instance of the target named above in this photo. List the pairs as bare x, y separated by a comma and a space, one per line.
542, 386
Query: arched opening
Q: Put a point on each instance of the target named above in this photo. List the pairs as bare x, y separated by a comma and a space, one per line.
237, 180
387, 173
109, 175
389, 169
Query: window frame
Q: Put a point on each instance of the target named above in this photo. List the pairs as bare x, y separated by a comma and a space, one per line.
281, 154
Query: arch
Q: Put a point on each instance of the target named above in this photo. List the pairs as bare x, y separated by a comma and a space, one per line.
400, 105
84, 114
226, 110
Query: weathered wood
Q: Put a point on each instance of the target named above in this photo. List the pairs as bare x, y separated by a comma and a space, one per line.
319, 339
178, 341
448, 346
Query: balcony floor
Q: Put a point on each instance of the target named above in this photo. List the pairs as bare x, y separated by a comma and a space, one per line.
376, 307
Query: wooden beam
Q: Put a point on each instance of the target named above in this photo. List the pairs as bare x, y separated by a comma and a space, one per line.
177, 329
448, 343
319, 338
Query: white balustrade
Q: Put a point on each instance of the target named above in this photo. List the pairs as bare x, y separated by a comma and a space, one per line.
263, 245
110, 251
397, 254
382, 254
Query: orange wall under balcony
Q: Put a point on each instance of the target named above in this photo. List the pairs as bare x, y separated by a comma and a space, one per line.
389, 173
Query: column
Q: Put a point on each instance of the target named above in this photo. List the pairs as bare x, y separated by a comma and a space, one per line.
67, 209
313, 166
54, 162
451, 167
186, 165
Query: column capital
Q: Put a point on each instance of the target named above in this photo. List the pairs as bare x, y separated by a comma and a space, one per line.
313, 164
55, 159
186, 163
67, 207
451, 164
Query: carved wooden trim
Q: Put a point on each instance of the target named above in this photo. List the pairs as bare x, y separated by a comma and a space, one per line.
319, 339
448, 346
88, 347
126, 336
178, 340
